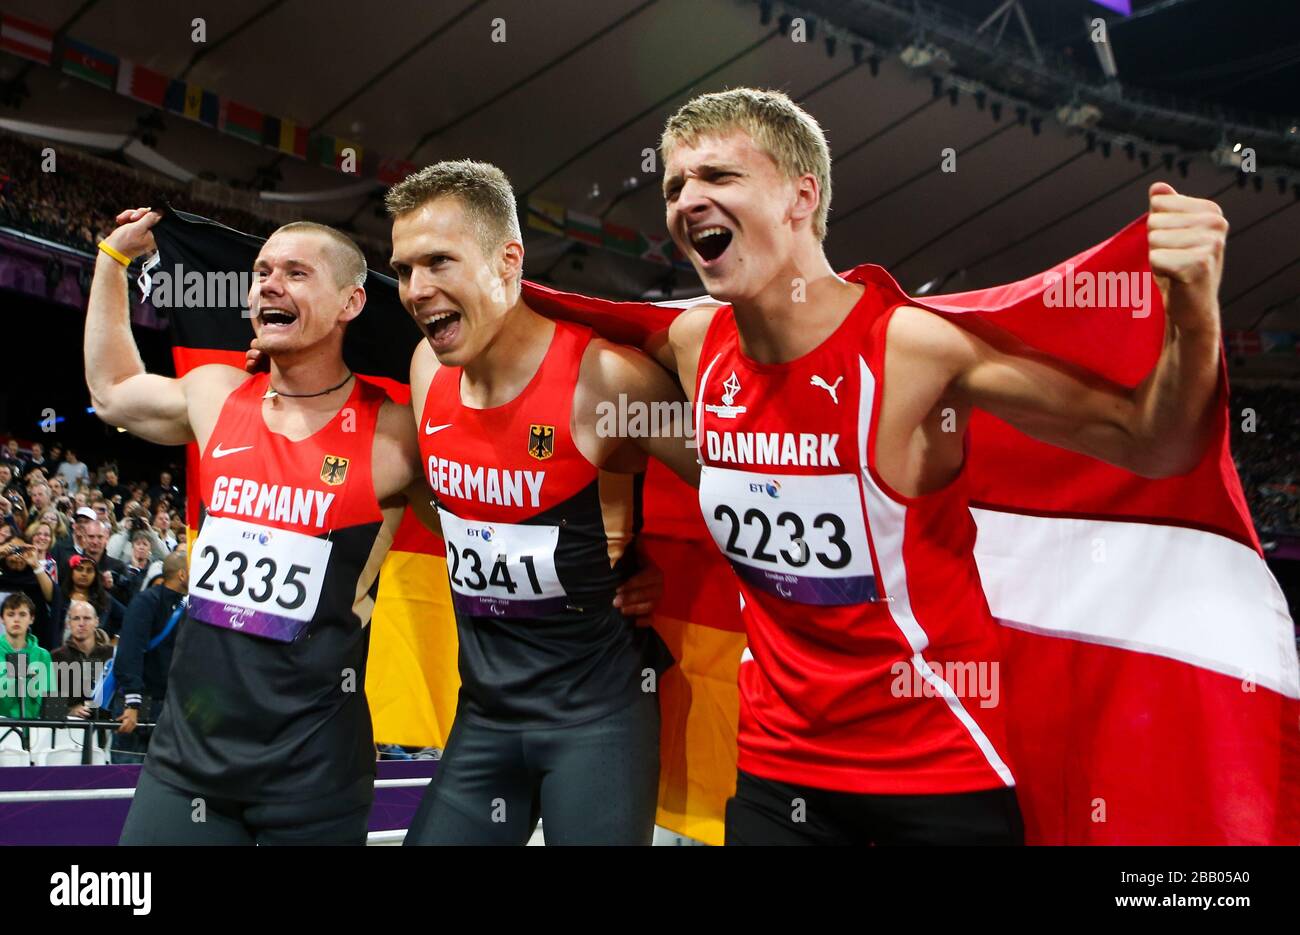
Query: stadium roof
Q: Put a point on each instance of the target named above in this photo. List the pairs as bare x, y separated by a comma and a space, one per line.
577, 92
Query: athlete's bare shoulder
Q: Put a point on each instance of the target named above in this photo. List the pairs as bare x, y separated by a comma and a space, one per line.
608, 366
396, 460
919, 334
925, 357
215, 377
424, 365
206, 390
686, 333
608, 371
685, 340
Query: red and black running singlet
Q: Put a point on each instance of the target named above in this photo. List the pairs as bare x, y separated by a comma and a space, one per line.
875, 662
538, 538
266, 695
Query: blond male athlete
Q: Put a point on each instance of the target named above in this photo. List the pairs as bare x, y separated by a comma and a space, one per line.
830, 485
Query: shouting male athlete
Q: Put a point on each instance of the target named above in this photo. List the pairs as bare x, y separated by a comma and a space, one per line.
558, 712
303, 474
831, 486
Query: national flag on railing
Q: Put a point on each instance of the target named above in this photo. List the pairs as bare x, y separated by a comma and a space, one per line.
285, 135
143, 84
191, 101
89, 64
242, 121
26, 39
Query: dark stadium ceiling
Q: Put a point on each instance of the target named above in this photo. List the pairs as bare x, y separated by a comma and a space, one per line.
567, 104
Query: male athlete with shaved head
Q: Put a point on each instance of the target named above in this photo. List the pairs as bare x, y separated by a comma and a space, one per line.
304, 473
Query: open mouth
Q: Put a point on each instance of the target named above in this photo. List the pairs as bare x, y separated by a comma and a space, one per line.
711, 242
276, 318
441, 328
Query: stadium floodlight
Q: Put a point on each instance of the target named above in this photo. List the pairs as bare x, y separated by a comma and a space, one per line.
1079, 116
1226, 157
927, 55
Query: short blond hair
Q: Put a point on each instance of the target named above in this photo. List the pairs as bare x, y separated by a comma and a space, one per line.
345, 256
482, 189
777, 125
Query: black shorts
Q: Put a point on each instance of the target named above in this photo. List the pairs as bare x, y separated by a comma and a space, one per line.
163, 814
764, 811
592, 783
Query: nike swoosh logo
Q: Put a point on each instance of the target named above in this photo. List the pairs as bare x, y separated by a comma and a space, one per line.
219, 453
434, 429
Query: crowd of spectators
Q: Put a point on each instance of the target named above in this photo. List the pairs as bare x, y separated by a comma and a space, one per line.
82, 553
1266, 448
76, 204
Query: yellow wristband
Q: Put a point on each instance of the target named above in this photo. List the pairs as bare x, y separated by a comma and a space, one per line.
115, 254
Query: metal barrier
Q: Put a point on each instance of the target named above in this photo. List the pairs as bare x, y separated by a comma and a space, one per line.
87, 795
17, 725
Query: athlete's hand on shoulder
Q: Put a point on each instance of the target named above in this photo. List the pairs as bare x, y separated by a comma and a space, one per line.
640, 594
133, 236
255, 359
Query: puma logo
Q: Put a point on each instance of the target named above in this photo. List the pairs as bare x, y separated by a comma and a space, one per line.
830, 388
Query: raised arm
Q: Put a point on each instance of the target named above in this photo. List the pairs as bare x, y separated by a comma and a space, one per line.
1158, 428
150, 406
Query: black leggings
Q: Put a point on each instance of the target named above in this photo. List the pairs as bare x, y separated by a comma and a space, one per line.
765, 811
164, 814
595, 783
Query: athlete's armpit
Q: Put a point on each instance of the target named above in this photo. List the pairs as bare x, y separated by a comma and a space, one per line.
420, 499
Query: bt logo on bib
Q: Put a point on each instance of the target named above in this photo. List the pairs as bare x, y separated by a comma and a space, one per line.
772, 488
486, 533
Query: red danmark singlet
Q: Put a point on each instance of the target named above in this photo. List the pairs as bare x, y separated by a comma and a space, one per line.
875, 662
266, 696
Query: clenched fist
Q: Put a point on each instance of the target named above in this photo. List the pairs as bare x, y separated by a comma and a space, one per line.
1185, 239
134, 233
